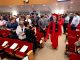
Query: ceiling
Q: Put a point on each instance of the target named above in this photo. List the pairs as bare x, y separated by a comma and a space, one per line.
21, 2
73, 5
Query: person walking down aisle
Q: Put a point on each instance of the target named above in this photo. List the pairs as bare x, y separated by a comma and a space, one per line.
54, 30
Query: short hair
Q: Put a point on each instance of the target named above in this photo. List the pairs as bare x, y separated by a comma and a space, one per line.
12, 18
77, 13
26, 24
42, 16
21, 22
21, 19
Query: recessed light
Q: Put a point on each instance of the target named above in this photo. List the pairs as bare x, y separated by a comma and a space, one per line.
71, 2
71, 7
56, 4
44, 5
37, 9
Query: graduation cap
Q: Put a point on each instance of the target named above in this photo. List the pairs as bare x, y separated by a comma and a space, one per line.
55, 15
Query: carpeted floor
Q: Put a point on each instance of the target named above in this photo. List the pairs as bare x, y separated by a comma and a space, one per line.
47, 53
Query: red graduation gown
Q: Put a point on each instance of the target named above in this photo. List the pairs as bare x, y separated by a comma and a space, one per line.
61, 22
54, 35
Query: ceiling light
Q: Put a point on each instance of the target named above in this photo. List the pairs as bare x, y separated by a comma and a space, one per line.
71, 2
71, 7
56, 4
14, 13
44, 5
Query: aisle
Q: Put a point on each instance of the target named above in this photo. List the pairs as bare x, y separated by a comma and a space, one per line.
47, 53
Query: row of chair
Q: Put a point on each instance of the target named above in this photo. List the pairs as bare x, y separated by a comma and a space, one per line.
5, 33
74, 56
40, 37
72, 37
16, 48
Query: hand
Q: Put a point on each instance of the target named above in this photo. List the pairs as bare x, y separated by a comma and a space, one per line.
9, 29
45, 39
14, 30
23, 34
43, 28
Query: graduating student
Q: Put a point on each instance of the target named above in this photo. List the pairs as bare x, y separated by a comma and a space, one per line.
61, 22
54, 30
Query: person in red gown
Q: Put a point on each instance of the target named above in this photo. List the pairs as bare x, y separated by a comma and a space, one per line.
54, 31
61, 22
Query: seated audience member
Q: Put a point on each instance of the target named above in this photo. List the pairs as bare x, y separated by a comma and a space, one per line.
30, 36
51, 18
12, 24
78, 50
37, 19
33, 19
6, 17
66, 21
28, 20
42, 24
46, 20
29, 32
2, 22
18, 18
75, 22
20, 31
78, 42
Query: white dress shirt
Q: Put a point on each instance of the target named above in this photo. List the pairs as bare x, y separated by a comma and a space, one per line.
76, 20
29, 20
19, 32
17, 20
67, 19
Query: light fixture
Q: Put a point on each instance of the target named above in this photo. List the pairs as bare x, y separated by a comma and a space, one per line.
26, 1
56, 4
71, 2
37, 9
44, 5
14, 13
71, 7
